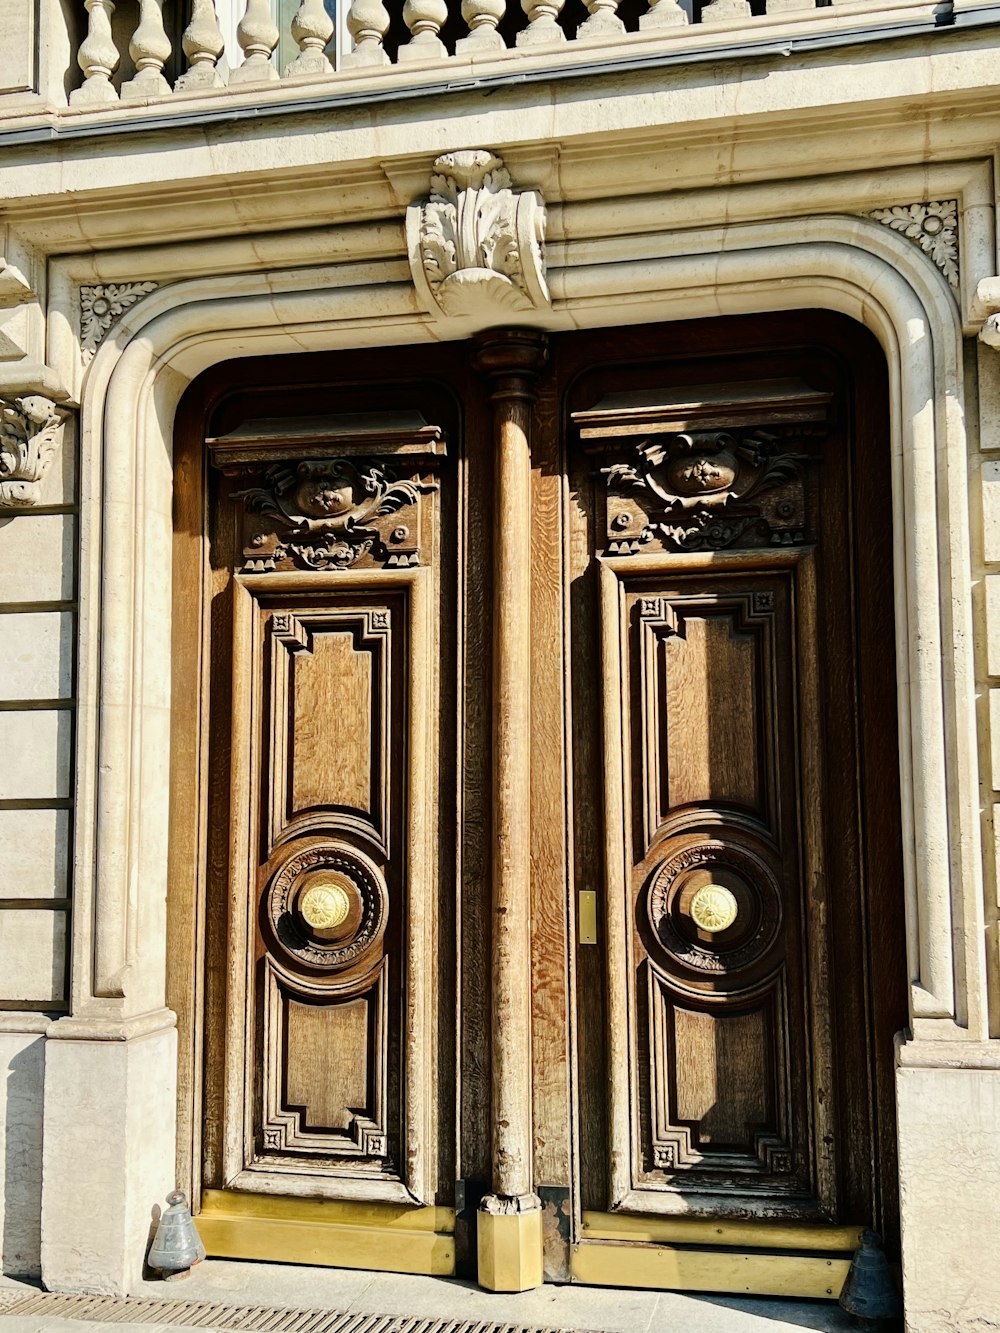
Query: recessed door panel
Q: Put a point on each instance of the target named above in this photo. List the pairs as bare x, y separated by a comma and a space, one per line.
716, 1009
723, 728
324, 761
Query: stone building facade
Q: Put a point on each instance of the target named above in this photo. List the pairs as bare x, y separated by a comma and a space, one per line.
175, 200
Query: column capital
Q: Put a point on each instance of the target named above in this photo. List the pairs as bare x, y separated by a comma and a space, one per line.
512, 358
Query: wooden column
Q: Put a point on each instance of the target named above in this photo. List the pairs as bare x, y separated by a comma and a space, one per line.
510, 1223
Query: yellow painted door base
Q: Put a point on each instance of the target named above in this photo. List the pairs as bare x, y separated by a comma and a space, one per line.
692, 1254
509, 1248
328, 1232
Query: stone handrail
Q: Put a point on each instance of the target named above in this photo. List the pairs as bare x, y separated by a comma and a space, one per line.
436, 31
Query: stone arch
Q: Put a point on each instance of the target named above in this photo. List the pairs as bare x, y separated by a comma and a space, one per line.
131, 393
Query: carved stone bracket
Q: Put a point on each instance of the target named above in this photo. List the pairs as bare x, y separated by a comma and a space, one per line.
724, 469
476, 246
30, 433
101, 305
933, 226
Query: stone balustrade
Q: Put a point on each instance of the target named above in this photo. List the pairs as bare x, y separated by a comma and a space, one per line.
155, 50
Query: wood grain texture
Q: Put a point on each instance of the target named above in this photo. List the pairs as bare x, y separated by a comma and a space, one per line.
333, 751
773, 740
706, 679
339, 751
733, 717
551, 907
511, 359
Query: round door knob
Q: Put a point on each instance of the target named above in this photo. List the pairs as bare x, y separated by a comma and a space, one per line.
714, 908
325, 905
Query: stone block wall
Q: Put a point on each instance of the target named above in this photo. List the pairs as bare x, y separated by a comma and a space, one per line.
37, 684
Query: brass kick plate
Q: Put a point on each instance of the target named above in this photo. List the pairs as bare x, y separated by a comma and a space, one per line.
587, 916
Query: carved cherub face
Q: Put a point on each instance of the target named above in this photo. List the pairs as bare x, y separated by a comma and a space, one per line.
685, 467
319, 493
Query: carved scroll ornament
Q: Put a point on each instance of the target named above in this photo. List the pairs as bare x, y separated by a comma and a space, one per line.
329, 513
476, 245
30, 432
707, 490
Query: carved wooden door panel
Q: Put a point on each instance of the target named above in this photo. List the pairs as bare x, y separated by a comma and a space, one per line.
739, 1068
323, 815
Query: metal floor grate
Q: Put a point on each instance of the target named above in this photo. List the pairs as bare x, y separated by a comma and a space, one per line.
253, 1318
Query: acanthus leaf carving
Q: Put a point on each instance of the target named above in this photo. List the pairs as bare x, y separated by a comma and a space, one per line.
933, 226
102, 304
707, 490
30, 432
329, 513
477, 244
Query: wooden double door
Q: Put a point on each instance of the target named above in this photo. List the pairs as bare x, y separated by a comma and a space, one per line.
713, 918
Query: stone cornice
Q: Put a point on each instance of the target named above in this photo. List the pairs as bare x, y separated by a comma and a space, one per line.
782, 125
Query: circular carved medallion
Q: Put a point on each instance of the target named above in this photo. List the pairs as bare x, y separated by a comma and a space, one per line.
326, 904
715, 907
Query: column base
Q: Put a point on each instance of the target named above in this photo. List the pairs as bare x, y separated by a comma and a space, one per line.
949, 1171
510, 1243
108, 1149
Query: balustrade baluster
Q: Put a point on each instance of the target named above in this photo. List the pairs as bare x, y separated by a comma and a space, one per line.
543, 28
367, 22
602, 23
257, 36
662, 14
203, 44
482, 17
724, 11
312, 28
150, 50
425, 19
97, 57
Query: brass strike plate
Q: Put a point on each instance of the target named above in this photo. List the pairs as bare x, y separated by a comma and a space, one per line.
587, 916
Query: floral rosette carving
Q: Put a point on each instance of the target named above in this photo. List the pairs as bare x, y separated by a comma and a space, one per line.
101, 305
933, 226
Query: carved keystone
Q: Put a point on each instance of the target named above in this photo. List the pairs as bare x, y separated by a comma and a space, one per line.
476, 245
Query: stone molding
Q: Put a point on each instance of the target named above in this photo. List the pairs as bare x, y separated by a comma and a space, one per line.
101, 305
933, 226
835, 262
476, 245
30, 434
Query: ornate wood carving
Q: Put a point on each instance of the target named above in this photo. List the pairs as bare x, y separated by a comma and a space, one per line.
316, 495
322, 523
706, 490
329, 514
716, 1008
728, 472
716, 992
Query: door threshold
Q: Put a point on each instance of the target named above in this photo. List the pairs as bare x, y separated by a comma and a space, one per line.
403, 1302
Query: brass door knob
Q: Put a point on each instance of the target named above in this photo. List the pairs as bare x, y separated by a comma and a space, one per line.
325, 905
714, 908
